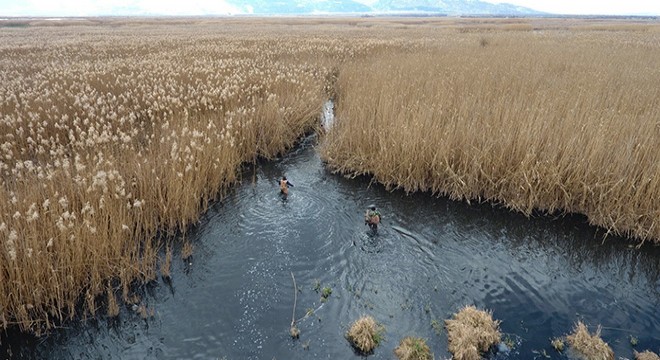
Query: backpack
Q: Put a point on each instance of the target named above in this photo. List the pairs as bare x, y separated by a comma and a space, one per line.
374, 217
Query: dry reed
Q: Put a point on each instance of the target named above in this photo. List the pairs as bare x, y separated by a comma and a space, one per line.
413, 348
113, 306
646, 355
113, 137
115, 133
471, 332
167, 263
365, 334
587, 346
554, 121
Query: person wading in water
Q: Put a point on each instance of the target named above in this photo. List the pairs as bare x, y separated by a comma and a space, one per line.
372, 217
284, 186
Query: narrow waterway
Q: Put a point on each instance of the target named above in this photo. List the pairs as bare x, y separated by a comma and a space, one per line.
430, 257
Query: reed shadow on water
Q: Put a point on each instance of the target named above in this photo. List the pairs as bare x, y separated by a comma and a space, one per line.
429, 257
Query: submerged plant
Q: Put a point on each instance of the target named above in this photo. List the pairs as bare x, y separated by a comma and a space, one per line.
541, 353
633, 340
325, 294
437, 326
558, 344
509, 342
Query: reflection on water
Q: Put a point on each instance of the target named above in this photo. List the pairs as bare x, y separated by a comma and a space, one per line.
428, 258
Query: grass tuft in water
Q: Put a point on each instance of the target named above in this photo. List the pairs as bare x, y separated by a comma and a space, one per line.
365, 334
413, 348
589, 346
325, 293
646, 355
472, 332
294, 332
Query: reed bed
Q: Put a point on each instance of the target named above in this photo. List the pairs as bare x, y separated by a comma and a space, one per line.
557, 121
116, 136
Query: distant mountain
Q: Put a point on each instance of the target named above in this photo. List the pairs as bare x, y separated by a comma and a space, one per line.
283, 7
450, 7
266, 7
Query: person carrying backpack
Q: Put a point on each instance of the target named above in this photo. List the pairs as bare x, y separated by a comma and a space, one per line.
372, 217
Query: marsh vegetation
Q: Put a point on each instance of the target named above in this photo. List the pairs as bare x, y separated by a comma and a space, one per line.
116, 135
365, 334
112, 141
413, 348
587, 345
556, 122
471, 333
646, 355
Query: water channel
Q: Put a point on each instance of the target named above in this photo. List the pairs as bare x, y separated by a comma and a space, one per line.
430, 257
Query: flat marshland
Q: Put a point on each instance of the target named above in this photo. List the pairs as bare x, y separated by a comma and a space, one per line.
115, 134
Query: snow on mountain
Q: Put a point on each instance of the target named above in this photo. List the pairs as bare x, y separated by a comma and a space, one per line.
450, 7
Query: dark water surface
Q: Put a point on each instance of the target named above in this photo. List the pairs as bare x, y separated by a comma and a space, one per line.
430, 257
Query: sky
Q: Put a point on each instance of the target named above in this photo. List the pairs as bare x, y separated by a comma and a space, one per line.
220, 7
